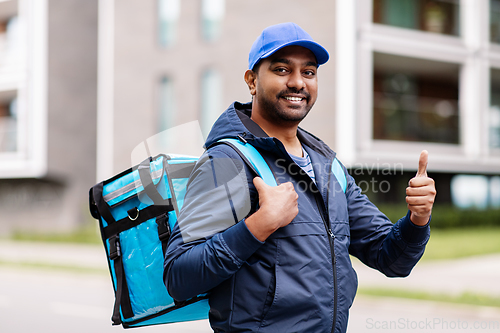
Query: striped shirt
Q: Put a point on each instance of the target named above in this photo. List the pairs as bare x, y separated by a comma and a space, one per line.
305, 163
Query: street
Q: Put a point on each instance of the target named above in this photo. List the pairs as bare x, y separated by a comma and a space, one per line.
62, 301
55, 301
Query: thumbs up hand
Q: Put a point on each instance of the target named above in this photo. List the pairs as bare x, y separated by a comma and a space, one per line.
420, 193
277, 208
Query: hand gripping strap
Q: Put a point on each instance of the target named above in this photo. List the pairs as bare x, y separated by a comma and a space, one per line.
253, 158
339, 173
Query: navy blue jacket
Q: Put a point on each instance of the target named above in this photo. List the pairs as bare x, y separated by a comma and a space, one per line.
301, 278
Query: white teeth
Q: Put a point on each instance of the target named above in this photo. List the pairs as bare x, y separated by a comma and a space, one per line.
295, 99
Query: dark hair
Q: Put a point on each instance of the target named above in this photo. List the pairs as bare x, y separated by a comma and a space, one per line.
257, 66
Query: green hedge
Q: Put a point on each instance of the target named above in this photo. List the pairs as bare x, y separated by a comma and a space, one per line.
448, 216
86, 234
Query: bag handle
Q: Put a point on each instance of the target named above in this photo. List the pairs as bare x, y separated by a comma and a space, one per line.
96, 198
147, 182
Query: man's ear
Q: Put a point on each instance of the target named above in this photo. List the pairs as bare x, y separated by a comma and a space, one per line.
250, 79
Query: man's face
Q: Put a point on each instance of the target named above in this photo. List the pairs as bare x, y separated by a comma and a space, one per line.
286, 85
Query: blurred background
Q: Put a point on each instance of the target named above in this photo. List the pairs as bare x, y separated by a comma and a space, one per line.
84, 82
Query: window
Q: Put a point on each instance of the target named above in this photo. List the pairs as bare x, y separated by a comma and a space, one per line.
475, 191
415, 99
470, 191
168, 17
495, 192
9, 59
494, 113
495, 21
167, 104
23, 88
412, 89
8, 121
211, 99
9, 41
437, 16
212, 15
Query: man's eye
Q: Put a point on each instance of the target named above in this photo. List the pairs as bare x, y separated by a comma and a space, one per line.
280, 70
309, 73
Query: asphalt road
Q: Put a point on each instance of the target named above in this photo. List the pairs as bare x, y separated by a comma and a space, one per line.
58, 301
42, 301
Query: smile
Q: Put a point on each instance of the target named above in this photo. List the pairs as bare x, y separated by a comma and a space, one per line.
293, 99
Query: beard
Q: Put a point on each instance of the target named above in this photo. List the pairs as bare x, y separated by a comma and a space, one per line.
288, 115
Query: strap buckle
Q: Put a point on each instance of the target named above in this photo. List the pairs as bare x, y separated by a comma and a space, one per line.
114, 248
163, 227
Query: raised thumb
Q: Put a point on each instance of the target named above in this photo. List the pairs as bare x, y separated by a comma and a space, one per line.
422, 164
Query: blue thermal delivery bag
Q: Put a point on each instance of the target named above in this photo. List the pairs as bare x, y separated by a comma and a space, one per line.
136, 210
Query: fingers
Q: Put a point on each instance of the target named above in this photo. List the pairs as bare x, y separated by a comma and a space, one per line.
420, 181
420, 200
286, 187
420, 207
422, 164
423, 200
259, 184
421, 191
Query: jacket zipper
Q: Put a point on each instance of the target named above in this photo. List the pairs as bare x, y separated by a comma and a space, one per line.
331, 239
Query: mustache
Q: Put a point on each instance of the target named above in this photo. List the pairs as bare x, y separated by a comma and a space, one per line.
294, 91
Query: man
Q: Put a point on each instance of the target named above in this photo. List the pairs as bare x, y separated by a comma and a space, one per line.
276, 259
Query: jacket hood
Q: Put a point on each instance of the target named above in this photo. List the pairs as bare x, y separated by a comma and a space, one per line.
235, 122
230, 124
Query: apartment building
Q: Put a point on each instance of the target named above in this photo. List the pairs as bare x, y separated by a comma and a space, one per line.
425, 76
96, 84
48, 79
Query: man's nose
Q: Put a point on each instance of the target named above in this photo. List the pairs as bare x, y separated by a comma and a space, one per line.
295, 80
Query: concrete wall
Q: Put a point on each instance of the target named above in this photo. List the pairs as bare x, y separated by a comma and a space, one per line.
72, 102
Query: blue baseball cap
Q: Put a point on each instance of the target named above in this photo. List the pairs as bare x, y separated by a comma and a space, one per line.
278, 36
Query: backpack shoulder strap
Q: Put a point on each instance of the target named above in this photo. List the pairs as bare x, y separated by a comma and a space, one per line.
339, 173
253, 158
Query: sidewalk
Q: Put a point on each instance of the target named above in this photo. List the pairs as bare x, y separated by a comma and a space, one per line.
480, 274
54, 254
